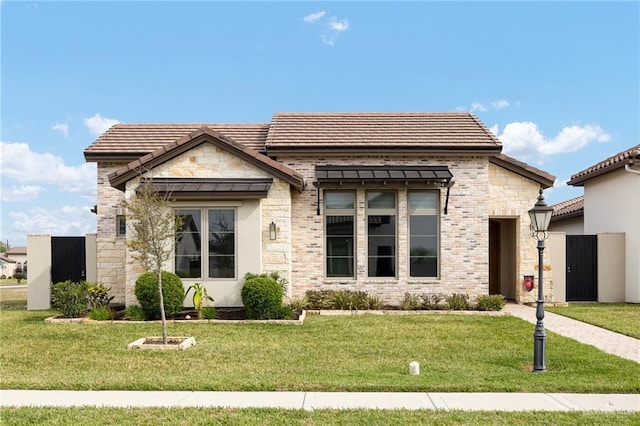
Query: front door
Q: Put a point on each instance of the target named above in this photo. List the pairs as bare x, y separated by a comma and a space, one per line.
494, 257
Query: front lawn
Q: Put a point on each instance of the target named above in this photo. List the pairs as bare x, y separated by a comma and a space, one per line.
222, 416
347, 353
619, 317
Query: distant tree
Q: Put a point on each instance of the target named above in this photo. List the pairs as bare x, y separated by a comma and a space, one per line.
155, 229
4, 246
19, 274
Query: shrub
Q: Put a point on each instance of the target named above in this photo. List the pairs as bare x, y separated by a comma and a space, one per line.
320, 299
298, 304
262, 298
208, 312
284, 283
374, 302
146, 291
98, 295
432, 301
134, 313
69, 298
495, 302
410, 302
457, 302
102, 313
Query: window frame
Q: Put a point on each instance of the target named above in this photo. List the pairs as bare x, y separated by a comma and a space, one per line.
382, 212
327, 212
424, 212
204, 233
121, 223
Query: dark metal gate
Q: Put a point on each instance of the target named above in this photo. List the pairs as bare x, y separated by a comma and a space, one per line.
582, 268
68, 259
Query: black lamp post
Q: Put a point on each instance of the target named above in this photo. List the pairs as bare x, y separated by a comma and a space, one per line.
540, 216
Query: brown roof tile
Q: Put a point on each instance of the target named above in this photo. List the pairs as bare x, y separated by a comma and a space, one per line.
523, 169
614, 162
567, 209
135, 140
120, 177
366, 130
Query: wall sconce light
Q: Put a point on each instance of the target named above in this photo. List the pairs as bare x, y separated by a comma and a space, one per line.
273, 232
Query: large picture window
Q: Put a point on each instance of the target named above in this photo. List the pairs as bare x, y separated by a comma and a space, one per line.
381, 233
216, 258
339, 208
423, 233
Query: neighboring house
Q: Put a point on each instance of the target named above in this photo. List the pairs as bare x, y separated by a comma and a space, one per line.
14, 258
610, 205
7, 266
385, 203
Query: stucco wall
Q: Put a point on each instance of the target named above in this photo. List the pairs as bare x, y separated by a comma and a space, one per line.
512, 196
571, 226
612, 204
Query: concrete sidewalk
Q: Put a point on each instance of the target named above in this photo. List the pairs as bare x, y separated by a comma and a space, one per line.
320, 400
605, 340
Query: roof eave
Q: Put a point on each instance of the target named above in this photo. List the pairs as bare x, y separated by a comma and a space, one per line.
580, 180
545, 181
394, 150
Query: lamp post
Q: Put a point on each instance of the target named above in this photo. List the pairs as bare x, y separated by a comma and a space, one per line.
540, 216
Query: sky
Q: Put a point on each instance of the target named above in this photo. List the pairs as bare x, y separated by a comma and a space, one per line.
557, 82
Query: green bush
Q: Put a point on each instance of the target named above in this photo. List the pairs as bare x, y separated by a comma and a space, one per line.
494, 302
298, 304
320, 299
432, 301
374, 302
69, 298
284, 283
410, 302
134, 313
262, 298
457, 302
208, 312
146, 291
98, 295
103, 313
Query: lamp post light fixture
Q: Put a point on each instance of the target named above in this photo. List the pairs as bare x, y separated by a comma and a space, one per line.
273, 231
540, 216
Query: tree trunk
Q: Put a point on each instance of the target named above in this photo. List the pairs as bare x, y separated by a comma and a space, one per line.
163, 316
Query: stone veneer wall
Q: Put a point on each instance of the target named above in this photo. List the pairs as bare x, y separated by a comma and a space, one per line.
209, 161
111, 249
463, 232
512, 196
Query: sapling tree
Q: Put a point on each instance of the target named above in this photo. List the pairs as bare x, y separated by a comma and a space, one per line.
154, 230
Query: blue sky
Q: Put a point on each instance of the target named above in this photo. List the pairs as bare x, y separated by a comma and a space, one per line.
558, 82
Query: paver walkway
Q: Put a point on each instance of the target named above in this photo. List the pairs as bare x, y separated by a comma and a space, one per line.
605, 340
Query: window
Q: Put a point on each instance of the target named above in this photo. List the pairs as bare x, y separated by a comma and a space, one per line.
339, 210
423, 233
121, 226
381, 233
219, 259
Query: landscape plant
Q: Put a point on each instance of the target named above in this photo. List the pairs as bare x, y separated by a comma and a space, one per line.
146, 291
102, 313
262, 298
493, 302
154, 230
98, 295
457, 302
69, 298
200, 297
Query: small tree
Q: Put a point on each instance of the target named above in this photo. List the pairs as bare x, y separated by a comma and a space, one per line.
155, 229
19, 274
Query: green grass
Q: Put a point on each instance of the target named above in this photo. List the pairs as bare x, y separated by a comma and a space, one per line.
13, 298
218, 416
347, 353
619, 317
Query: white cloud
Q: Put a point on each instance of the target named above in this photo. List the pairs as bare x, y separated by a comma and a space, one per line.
25, 166
15, 194
62, 128
525, 139
501, 104
99, 124
313, 17
479, 106
62, 221
331, 26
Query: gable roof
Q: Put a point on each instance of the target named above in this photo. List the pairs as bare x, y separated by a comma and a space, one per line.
568, 209
435, 132
617, 161
16, 251
132, 141
120, 177
545, 179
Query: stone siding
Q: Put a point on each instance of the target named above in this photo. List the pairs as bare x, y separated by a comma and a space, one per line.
463, 231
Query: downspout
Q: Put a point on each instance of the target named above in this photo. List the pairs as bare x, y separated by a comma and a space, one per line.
446, 201
630, 170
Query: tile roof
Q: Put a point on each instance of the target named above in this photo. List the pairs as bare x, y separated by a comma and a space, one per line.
136, 140
567, 209
629, 156
18, 250
443, 131
120, 177
523, 169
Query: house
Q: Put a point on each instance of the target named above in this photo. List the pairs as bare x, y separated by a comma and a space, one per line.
609, 214
385, 203
15, 258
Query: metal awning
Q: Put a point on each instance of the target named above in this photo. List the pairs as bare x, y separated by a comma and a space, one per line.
382, 174
211, 188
